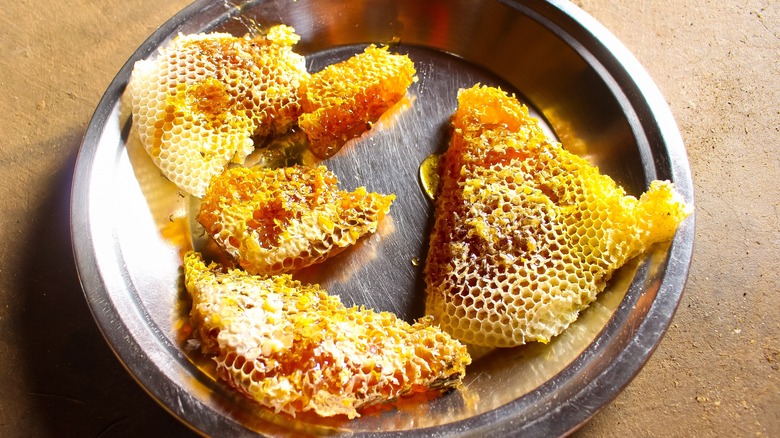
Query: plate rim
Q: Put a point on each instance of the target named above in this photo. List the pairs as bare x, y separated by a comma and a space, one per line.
615, 58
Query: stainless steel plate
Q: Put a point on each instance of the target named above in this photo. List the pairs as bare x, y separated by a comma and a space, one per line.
130, 225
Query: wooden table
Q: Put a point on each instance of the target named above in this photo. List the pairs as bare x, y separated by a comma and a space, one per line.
717, 371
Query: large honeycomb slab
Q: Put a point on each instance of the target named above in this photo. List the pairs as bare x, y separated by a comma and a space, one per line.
294, 348
341, 101
527, 234
199, 102
280, 220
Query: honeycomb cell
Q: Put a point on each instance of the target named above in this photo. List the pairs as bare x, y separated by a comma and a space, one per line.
293, 348
280, 220
341, 101
199, 102
541, 226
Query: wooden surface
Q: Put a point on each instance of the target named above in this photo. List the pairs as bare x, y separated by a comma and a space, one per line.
716, 373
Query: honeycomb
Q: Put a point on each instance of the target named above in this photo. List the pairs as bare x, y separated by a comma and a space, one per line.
198, 104
294, 348
279, 220
341, 101
527, 234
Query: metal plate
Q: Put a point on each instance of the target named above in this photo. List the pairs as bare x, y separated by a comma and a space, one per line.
130, 225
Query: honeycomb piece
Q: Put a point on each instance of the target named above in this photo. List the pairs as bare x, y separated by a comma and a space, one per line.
526, 234
294, 348
279, 220
198, 104
342, 101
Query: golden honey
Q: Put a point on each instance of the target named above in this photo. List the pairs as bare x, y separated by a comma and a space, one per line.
430, 175
293, 348
527, 234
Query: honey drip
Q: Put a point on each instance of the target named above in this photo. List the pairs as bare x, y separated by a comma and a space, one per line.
430, 176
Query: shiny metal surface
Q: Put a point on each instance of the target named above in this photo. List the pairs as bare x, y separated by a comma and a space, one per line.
130, 225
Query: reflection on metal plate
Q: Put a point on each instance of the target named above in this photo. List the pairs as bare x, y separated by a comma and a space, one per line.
130, 225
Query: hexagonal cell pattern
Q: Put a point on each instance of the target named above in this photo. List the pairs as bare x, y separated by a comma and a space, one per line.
294, 348
279, 220
527, 234
341, 101
199, 102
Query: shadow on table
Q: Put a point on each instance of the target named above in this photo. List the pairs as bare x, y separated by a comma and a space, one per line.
75, 383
